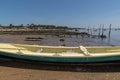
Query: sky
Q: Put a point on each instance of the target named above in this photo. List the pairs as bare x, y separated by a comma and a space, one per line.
74, 13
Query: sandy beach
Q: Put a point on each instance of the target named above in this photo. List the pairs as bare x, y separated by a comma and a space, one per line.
21, 70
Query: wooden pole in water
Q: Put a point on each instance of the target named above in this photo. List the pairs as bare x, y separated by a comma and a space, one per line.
99, 31
109, 34
88, 29
91, 31
102, 30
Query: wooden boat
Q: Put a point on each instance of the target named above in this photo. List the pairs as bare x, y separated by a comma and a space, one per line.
61, 54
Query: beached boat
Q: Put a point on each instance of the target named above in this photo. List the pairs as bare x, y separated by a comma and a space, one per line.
61, 54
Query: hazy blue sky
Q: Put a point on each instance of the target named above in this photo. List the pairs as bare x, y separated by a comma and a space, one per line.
60, 12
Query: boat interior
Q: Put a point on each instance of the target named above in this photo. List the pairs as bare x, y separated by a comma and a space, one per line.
61, 49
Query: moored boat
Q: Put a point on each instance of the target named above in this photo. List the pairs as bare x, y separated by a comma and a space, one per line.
61, 54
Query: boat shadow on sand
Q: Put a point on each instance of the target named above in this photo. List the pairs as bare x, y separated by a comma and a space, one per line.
80, 67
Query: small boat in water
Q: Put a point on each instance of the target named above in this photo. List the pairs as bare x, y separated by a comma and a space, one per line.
61, 54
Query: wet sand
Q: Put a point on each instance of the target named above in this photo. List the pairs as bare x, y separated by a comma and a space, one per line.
20, 70
51, 40
23, 70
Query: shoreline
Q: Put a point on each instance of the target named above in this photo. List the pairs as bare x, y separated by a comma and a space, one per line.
51, 40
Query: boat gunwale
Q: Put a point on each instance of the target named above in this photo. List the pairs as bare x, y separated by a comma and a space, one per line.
58, 55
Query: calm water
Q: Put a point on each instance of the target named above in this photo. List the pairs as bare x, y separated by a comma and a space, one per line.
114, 37
95, 41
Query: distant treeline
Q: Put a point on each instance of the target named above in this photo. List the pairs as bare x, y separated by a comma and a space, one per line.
35, 26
